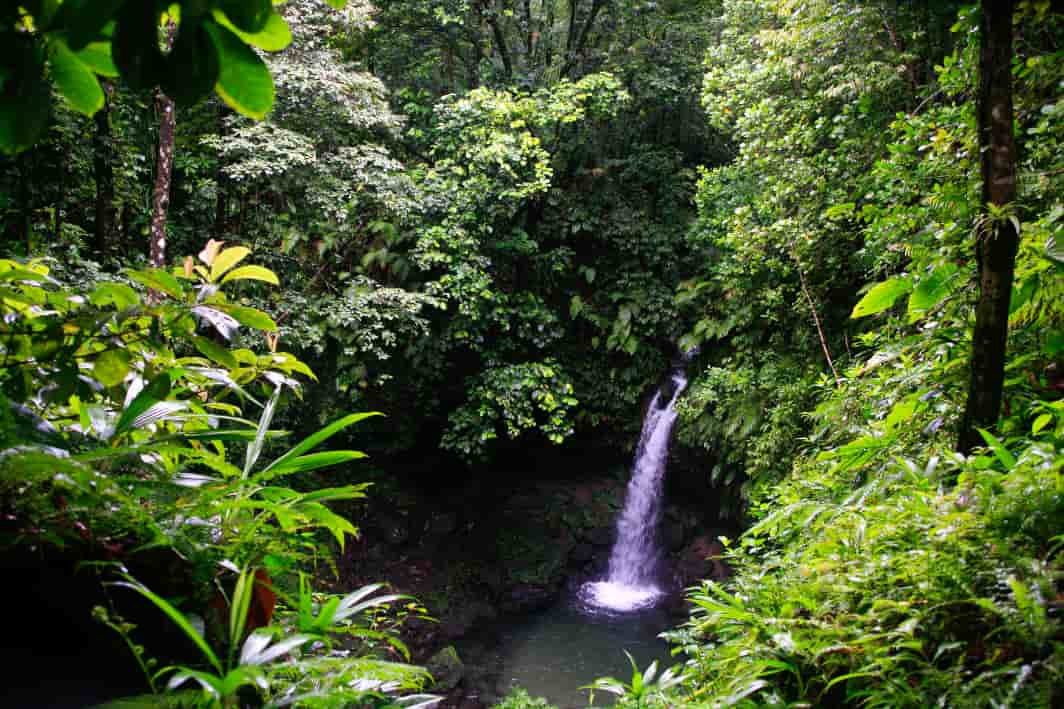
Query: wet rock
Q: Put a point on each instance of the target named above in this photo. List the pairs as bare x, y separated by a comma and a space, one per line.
466, 617
446, 669
582, 553
672, 535
526, 598
601, 536
391, 527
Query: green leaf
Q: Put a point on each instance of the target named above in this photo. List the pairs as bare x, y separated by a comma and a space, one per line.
306, 463
177, 617
248, 316
74, 79
111, 367
212, 350
256, 273
192, 65
318, 437
135, 45
1041, 422
26, 99
255, 449
160, 280
86, 19
118, 294
244, 82
248, 15
227, 259
155, 392
1022, 292
1000, 451
881, 296
97, 56
274, 37
931, 290
1054, 250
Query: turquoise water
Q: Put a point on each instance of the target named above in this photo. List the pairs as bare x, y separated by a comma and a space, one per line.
554, 653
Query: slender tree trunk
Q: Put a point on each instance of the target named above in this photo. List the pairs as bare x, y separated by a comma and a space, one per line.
998, 239
164, 166
25, 200
221, 198
103, 171
60, 199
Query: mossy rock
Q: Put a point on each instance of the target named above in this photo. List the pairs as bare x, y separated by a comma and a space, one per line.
446, 668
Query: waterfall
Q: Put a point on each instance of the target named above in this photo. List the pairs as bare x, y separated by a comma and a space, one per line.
632, 578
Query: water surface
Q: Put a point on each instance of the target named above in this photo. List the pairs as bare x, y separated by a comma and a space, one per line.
554, 653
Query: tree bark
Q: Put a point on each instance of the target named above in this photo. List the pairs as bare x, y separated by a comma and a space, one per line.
103, 171
164, 165
221, 197
998, 239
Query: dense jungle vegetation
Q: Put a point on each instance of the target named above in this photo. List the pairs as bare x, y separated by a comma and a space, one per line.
233, 230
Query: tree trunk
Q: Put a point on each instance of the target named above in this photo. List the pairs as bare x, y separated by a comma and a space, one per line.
164, 165
103, 171
998, 239
221, 198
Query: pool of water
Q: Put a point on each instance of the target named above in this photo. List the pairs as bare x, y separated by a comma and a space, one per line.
555, 652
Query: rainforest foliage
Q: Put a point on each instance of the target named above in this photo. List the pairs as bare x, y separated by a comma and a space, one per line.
497, 222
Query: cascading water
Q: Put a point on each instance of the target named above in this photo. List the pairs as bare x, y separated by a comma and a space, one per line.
631, 582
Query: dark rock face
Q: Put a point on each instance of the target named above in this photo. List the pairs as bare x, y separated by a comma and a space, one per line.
673, 535
601, 536
528, 598
702, 559
582, 553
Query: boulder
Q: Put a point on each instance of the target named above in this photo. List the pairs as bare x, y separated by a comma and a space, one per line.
446, 669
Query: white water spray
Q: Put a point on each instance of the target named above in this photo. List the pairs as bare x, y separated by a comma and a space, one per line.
632, 579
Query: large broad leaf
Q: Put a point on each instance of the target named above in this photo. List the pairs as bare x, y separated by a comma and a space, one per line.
97, 56
192, 65
317, 438
111, 367
212, 350
248, 15
86, 19
227, 259
152, 394
274, 37
135, 45
74, 79
881, 297
932, 289
248, 316
25, 103
244, 82
255, 273
160, 280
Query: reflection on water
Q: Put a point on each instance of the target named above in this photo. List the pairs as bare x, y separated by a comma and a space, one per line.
554, 653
